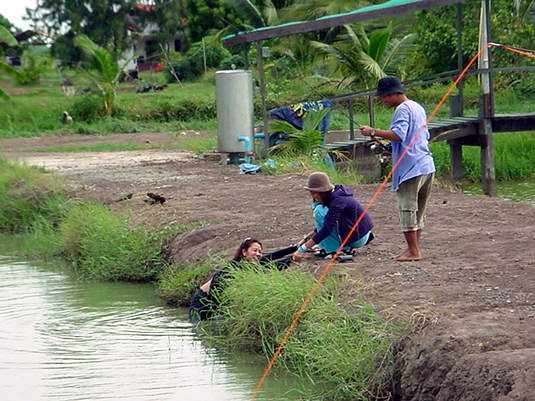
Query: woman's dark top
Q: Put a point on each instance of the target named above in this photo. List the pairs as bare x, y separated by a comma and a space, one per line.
344, 211
204, 304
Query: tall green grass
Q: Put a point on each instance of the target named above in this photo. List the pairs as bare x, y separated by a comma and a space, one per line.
103, 246
346, 354
39, 110
177, 283
100, 244
27, 195
39, 241
514, 155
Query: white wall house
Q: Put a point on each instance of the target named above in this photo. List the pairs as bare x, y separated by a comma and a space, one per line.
145, 52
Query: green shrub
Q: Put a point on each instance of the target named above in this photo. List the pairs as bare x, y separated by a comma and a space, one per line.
27, 194
232, 62
436, 34
33, 66
103, 246
524, 87
349, 355
191, 65
271, 299
40, 240
195, 108
87, 108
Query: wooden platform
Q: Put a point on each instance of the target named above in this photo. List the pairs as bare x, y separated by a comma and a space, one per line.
453, 128
457, 131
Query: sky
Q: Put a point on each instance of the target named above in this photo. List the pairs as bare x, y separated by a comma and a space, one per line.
14, 10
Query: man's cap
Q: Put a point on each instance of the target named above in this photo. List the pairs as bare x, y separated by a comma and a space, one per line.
388, 86
319, 182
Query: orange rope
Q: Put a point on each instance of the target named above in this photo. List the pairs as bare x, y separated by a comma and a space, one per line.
517, 50
317, 285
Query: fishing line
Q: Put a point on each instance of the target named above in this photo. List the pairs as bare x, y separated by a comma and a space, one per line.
328, 267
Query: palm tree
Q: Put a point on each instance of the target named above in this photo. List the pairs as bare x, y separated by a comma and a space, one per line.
7, 38
310, 9
255, 13
525, 9
365, 58
103, 70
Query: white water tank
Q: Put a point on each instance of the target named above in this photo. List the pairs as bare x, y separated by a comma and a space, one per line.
235, 110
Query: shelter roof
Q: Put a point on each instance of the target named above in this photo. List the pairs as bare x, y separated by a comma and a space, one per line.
375, 11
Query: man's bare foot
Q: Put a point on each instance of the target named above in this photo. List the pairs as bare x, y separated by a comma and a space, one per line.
408, 256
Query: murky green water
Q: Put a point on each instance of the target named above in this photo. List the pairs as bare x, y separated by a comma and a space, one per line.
62, 339
521, 191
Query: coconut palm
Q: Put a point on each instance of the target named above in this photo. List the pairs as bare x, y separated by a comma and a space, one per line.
363, 58
525, 9
102, 69
310, 9
7, 38
255, 13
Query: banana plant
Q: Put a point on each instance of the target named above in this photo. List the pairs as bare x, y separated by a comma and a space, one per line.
103, 70
7, 38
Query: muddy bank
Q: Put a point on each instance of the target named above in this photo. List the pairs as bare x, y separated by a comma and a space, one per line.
474, 292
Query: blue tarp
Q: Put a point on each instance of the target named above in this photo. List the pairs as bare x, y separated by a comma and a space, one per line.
294, 113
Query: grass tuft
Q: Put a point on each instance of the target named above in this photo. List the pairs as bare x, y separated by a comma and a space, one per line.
177, 283
27, 195
346, 355
104, 247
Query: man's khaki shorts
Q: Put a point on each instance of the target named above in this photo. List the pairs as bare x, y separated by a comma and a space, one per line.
412, 198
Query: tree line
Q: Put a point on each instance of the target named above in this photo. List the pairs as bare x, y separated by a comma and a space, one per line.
422, 43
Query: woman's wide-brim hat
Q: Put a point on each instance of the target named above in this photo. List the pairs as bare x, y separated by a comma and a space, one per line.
319, 182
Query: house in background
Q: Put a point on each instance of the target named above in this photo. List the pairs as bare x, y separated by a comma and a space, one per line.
29, 38
145, 53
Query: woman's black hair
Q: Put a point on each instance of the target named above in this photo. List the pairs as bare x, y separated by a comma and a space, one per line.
244, 246
325, 197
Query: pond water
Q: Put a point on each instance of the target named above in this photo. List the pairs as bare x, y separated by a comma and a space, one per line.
64, 339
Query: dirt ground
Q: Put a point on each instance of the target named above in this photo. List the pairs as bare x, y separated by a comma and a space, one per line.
473, 294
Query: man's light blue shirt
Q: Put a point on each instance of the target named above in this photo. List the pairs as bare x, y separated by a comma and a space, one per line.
409, 120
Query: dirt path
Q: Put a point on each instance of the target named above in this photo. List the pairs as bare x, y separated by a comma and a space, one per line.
474, 292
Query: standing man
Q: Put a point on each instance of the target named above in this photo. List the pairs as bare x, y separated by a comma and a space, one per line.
413, 177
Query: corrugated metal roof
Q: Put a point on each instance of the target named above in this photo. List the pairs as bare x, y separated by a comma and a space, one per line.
388, 8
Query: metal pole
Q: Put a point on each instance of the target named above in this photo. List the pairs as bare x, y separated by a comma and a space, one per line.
263, 94
371, 111
488, 171
351, 122
489, 107
460, 62
204, 54
246, 55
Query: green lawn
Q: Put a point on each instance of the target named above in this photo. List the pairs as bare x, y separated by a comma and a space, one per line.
37, 110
